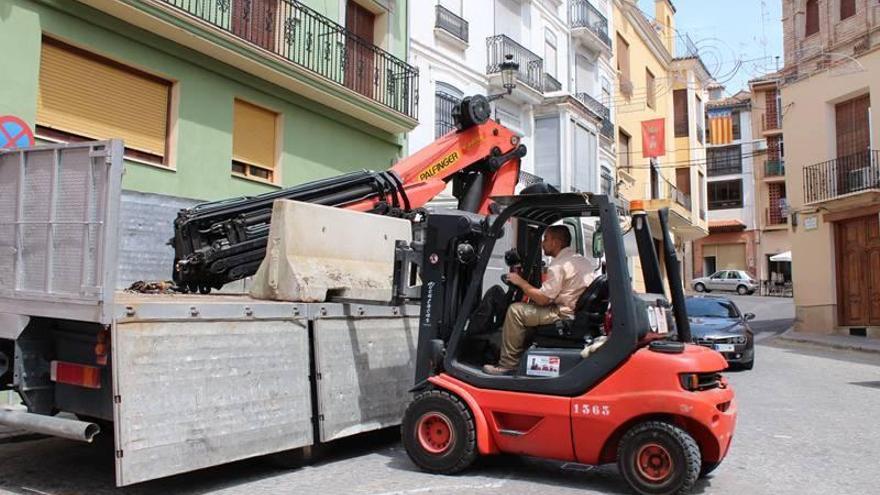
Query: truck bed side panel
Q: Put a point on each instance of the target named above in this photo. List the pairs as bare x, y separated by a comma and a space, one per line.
366, 367
193, 394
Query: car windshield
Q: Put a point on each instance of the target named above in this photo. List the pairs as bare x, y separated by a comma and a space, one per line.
711, 308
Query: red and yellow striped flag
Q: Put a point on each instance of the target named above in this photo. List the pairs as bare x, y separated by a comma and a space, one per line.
720, 127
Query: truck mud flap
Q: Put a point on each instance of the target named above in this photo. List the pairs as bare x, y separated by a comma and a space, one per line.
193, 394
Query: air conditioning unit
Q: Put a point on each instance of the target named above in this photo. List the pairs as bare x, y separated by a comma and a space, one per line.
761, 145
858, 179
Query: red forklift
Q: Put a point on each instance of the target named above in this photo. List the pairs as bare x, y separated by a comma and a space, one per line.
645, 399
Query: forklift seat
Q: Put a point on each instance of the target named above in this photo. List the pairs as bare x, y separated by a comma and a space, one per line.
589, 314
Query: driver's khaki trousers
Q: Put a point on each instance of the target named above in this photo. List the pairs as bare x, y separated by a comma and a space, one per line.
521, 317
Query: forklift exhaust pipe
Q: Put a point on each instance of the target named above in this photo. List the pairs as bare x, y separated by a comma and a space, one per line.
673, 274
50, 425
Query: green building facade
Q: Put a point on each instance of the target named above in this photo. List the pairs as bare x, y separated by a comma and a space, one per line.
343, 95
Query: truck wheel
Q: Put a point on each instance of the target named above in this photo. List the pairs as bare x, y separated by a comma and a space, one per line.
742, 290
438, 433
699, 287
657, 458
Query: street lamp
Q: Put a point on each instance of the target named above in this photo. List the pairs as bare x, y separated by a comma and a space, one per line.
509, 68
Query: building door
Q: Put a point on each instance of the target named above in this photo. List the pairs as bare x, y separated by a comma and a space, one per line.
709, 265
858, 271
254, 20
359, 56
853, 141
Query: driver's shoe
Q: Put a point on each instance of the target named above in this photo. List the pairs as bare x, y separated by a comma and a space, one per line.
491, 369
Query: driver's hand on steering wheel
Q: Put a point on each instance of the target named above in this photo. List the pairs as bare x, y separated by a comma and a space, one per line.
516, 279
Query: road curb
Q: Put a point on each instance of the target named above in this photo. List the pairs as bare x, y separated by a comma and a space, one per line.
833, 341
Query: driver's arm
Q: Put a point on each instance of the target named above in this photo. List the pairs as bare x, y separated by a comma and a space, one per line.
545, 295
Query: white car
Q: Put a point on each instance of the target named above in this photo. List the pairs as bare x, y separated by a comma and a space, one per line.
738, 281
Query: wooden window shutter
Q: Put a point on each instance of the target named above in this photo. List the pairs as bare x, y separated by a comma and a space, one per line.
254, 138
650, 88
680, 108
623, 57
812, 18
852, 126
92, 97
847, 9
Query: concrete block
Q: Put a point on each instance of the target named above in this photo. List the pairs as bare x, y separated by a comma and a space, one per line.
317, 251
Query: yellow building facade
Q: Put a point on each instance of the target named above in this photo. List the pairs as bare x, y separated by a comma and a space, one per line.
661, 93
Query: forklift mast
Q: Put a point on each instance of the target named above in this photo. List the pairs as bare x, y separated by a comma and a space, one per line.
222, 241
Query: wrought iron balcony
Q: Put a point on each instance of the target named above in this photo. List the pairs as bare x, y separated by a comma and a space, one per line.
582, 15
452, 23
681, 198
845, 175
594, 106
303, 37
774, 168
551, 84
531, 66
607, 130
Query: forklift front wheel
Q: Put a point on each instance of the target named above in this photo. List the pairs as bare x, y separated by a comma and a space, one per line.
658, 458
439, 433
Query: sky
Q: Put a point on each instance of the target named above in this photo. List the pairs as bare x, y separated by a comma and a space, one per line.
738, 40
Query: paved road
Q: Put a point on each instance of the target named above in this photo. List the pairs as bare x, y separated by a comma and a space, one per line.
806, 426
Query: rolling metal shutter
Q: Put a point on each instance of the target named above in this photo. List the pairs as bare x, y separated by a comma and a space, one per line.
253, 135
96, 98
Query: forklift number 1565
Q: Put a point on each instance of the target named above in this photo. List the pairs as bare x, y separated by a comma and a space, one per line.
592, 410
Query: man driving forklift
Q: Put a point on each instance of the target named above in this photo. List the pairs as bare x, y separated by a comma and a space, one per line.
568, 275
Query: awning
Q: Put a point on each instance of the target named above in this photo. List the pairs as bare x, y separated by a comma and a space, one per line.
786, 256
719, 226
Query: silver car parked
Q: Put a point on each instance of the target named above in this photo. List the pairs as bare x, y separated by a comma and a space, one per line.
738, 281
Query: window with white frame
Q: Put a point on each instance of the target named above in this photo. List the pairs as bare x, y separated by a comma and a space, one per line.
584, 157
446, 96
550, 52
547, 159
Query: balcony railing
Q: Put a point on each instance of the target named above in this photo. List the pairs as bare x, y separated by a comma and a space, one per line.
594, 105
582, 14
531, 66
551, 84
607, 129
681, 198
845, 175
774, 168
452, 23
685, 47
316, 43
775, 216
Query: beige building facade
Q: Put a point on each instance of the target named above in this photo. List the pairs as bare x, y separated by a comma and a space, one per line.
659, 125
829, 83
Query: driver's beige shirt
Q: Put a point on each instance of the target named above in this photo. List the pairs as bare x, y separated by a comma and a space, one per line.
567, 277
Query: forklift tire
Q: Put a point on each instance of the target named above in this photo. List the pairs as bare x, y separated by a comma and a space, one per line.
708, 467
439, 433
657, 458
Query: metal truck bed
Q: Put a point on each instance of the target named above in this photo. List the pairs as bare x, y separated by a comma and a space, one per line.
197, 380
201, 380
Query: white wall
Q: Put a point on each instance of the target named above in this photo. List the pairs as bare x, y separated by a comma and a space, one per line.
441, 59
747, 214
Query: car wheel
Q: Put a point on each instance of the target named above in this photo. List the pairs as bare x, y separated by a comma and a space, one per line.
658, 458
439, 433
742, 290
699, 287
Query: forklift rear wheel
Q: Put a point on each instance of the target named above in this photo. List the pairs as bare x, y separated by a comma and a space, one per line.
439, 433
700, 288
658, 458
708, 467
